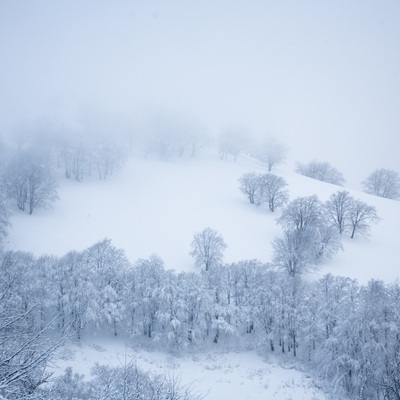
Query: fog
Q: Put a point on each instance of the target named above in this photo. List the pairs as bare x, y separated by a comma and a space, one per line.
321, 76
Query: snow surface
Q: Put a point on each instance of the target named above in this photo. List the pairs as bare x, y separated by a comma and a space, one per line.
155, 206
216, 374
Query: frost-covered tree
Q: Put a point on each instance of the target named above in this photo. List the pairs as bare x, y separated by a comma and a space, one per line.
172, 316
207, 248
25, 346
264, 188
218, 316
146, 283
117, 383
271, 190
301, 213
249, 185
30, 181
295, 252
4, 217
361, 217
384, 183
109, 266
337, 210
78, 299
321, 171
307, 236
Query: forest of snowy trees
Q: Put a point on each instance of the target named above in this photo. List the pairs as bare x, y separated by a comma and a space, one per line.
348, 333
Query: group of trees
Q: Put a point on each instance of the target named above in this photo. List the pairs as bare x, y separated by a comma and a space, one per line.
384, 183
264, 188
30, 167
349, 333
117, 383
167, 136
235, 140
321, 171
381, 182
312, 229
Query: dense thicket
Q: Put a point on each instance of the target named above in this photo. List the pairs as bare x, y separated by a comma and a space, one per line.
348, 332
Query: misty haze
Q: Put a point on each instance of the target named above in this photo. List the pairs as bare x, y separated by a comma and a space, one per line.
199, 200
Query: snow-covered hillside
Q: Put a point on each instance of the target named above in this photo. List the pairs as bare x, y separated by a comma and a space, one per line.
155, 206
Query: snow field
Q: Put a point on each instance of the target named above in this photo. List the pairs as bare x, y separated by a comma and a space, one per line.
154, 206
216, 374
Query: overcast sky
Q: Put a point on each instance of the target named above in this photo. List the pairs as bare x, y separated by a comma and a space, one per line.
324, 76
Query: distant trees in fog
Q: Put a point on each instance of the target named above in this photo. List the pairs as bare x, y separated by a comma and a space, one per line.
321, 171
384, 183
270, 151
165, 137
33, 156
91, 155
233, 140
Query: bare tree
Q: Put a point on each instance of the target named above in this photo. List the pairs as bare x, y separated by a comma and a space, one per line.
361, 217
384, 183
207, 248
321, 171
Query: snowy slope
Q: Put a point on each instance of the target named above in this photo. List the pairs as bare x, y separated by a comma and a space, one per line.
155, 206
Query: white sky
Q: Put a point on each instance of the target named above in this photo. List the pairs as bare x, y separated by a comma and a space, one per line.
321, 75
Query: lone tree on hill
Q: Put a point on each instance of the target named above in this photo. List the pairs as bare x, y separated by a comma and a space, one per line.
384, 183
207, 248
